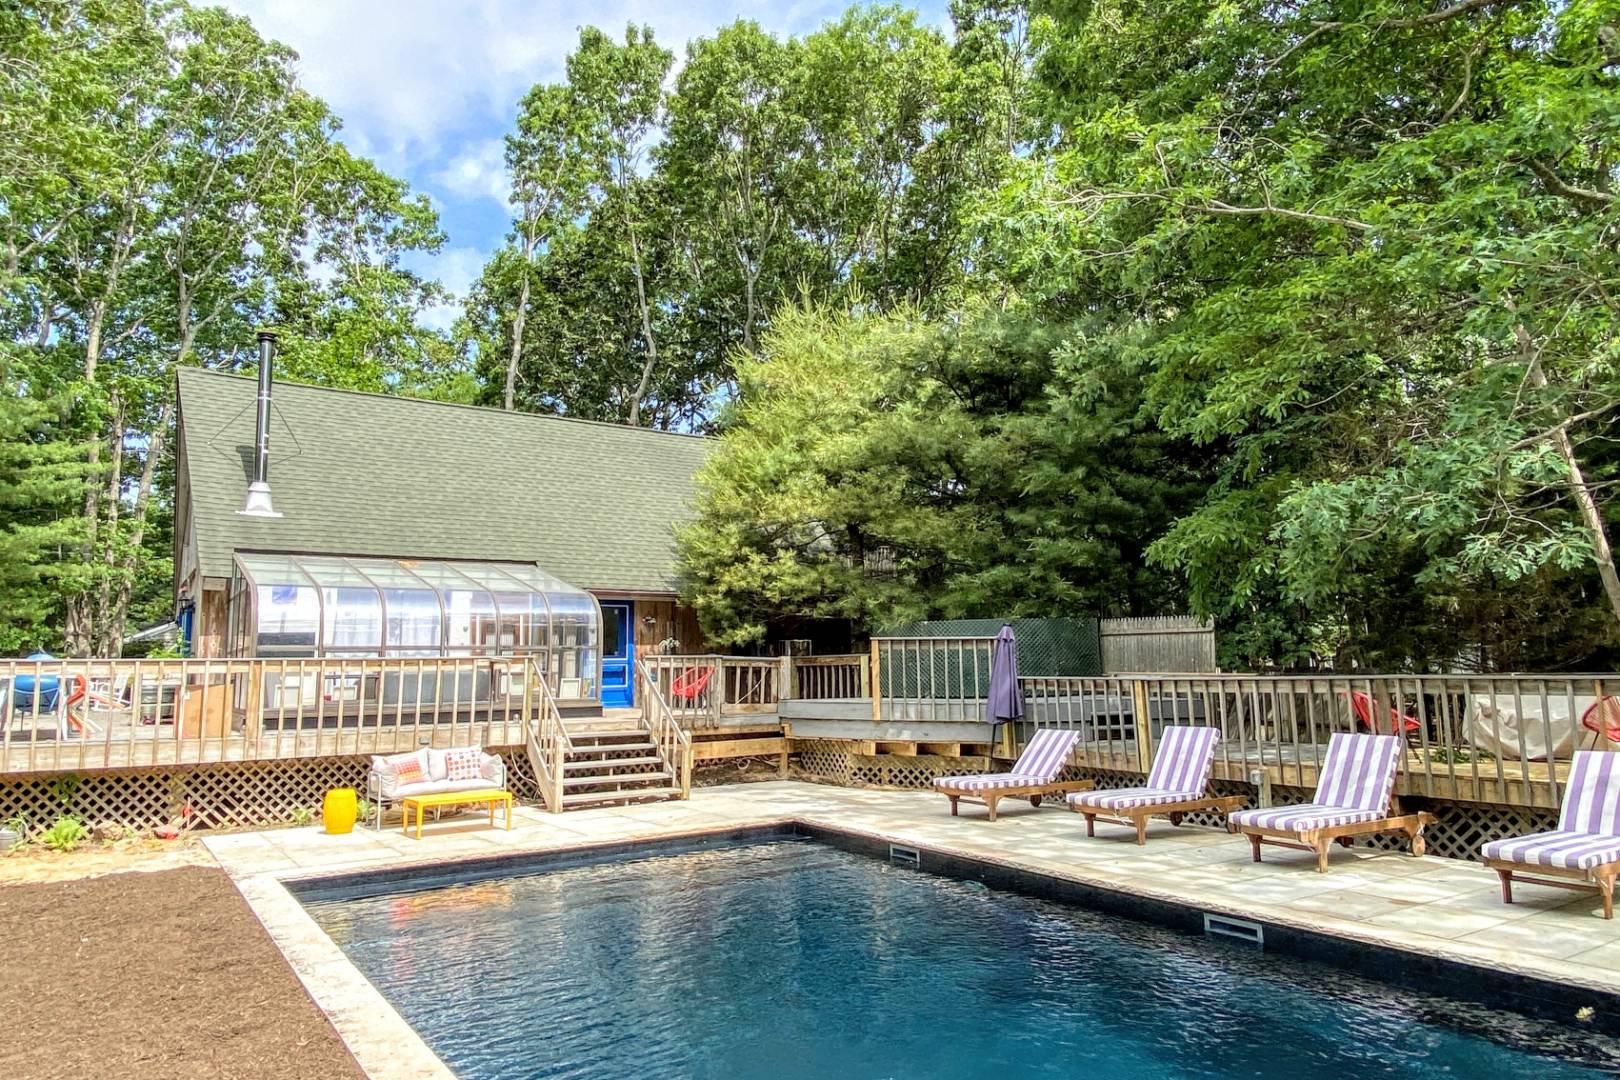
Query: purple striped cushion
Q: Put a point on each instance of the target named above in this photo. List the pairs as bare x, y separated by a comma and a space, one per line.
1359, 772
1183, 759
1562, 849
1127, 798
1302, 818
1592, 797
986, 782
1048, 751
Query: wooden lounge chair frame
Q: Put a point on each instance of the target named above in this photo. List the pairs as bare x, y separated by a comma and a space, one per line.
1321, 840
1032, 792
1136, 817
1599, 879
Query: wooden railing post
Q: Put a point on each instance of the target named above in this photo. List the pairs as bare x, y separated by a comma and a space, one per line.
875, 681
786, 682
717, 689
1144, 729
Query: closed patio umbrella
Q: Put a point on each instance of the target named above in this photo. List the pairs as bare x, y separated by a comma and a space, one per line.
1006, 701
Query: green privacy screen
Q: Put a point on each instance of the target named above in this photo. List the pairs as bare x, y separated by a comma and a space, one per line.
942, 659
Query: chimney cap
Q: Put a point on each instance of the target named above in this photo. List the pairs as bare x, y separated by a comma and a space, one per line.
268, 333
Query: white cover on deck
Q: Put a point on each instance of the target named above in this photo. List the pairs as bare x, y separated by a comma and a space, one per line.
1496, 723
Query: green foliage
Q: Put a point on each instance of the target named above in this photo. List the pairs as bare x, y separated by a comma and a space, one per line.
168, 188
302, 815
884, 469
1364, 256
65, 834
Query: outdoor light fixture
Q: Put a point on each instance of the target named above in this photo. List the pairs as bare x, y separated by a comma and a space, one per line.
258, 492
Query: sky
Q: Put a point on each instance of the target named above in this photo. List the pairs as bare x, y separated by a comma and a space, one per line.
428, 88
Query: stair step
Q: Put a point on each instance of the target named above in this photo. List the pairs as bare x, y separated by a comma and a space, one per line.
582, 798
622, 779
604, 763
578, 751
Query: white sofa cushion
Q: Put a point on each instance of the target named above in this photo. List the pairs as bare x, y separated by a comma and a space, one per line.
433, 787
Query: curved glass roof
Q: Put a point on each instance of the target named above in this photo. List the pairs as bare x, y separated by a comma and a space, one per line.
324, 605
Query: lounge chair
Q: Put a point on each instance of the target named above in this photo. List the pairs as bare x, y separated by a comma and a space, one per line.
1033, 775
1175, 786
1354, 796
1584, 851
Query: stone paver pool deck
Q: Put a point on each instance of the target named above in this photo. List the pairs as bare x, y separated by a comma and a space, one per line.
1435, 906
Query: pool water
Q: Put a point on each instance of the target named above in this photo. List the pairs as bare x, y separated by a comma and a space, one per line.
791, 959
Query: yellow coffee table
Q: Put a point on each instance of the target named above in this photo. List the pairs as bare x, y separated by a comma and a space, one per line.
490, 797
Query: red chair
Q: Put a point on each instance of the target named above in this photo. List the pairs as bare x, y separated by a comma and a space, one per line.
1362, 704
690, 684
1603, 718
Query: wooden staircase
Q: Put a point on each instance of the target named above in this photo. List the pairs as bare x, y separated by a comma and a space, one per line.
608, 766
620, 756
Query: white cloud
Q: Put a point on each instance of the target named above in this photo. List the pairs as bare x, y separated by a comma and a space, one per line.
477, 171
409, 77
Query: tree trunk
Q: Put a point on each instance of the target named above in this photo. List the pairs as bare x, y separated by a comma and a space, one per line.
646, 330
1579, 489
519, 319
116, 616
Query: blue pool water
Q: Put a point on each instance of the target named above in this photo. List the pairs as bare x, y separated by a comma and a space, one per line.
793, 960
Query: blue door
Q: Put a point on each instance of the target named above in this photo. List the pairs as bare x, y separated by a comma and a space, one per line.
618, 650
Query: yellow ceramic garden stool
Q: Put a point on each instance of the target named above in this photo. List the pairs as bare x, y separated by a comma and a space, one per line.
340, 810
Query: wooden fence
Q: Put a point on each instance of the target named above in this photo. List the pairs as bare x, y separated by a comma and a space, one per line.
1177, 643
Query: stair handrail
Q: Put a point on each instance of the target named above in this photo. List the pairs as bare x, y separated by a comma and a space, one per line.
545, 736
674, 744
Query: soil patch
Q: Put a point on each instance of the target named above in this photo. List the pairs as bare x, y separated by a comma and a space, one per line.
158, 974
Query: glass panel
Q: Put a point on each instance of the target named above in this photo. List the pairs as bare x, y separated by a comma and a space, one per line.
469, 610
414, 622
289, 616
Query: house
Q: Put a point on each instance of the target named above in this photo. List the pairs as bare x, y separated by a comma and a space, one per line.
403, 527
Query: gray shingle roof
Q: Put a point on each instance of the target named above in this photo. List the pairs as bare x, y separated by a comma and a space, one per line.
370, 474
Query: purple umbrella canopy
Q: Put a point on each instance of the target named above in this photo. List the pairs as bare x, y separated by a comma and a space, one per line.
1006, 699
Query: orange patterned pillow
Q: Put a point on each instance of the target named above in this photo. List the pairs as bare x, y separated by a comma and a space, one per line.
408, 768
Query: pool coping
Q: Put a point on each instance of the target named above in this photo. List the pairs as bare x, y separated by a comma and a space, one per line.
387, 1048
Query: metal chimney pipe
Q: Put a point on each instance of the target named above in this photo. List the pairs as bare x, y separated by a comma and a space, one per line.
258, 493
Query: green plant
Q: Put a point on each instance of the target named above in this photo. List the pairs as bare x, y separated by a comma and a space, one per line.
63, 788
18, 823
301, 815
363, 810
65, 834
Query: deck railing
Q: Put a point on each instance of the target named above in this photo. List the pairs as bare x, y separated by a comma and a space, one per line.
1480, 738
545, 738
663, 728
87, 714
830, 678
930, 678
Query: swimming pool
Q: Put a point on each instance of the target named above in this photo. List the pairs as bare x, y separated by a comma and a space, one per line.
790, 959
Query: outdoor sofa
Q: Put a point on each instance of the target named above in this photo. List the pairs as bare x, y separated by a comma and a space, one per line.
430, 771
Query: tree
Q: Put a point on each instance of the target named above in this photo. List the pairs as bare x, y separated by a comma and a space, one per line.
620, 89
1361, 255
175, 187
883, 468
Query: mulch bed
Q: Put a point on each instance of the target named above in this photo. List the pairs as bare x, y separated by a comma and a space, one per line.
163, 974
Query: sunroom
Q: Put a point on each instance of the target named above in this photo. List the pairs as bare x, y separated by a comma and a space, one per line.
332, 607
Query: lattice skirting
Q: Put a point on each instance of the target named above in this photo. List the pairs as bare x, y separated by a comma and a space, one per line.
234, 794
837, 760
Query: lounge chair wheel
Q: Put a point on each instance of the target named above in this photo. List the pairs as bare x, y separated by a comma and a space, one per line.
1419, 845
1035, 801
1175, 818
